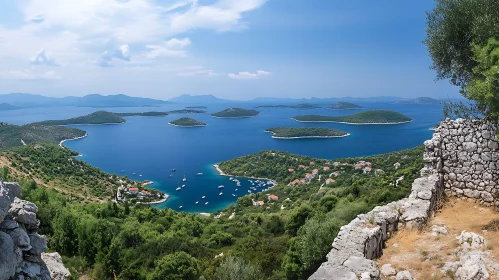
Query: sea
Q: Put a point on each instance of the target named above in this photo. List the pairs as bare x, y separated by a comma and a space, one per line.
147, 148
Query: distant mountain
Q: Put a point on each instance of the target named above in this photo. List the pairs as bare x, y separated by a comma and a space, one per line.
99, 117
315, 100
7, 107
344, 106
92, 100
198, 99
420, 100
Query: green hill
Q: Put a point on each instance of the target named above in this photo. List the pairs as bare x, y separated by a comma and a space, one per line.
367, 117
188, 122
11, 135
142, 114
236, 113
305, 132
345, 106
99, 117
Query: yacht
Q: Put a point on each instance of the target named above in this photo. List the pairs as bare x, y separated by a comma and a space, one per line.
185, 179
236, 190
231, 178
183, 186
173, 169
197, 202
249, 191
178, 189
203, 197
206, 203
220, 187
221, 193
171, 175
180, 207
233, 195
140, 175
199, 174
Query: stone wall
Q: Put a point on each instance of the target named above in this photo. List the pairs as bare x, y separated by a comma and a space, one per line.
466, 154
21, 247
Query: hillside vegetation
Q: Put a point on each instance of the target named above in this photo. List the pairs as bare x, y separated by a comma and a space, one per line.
99, 117
304, 132
284, 239
235, 113
344, 106
11, 135
185, 121
366, 117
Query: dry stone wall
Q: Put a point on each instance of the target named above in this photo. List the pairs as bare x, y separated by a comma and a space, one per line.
21, 247
466, 154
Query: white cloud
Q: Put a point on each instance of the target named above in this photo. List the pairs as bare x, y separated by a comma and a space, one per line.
29, 75
106, 58
248, 76
42, 58
173, 47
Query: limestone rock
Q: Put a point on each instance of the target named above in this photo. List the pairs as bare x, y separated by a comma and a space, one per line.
438, 229
472, 267
4, 203
8, 260
359, 266
388, 270
55, 266
38, 243
20, 238
14, 190
404, 275
8, 224
471, 240
24, 212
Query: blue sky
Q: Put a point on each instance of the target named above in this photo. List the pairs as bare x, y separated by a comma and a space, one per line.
237, 49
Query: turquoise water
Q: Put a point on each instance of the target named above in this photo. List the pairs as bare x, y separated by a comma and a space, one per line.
148, 146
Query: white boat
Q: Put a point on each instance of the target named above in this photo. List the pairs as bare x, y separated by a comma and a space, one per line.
140, 175
221, 193
221, 187
183, 186
236, 190
197, 202
206, 203
185, 179
178, 189
199, 174
231, 178
180, 207
249, 191
238, 184
233, 195
203, 197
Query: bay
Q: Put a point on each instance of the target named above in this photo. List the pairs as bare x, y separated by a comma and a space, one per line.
148, 146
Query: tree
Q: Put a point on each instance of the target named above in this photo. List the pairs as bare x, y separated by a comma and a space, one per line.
233, 268
179, 265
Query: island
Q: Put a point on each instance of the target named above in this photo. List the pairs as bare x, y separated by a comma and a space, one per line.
14, 135
298, 106
420, 100
187, 122
305, 132
367, 117
196, 107
345, 106
187, 111
99, 117
143, 114
8, 107
235, 113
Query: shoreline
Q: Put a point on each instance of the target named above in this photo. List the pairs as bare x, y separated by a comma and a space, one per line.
198, 125
91, 124
305, 137
164, 199
346, 108
348, 122
242, 117
221, 173
62, 141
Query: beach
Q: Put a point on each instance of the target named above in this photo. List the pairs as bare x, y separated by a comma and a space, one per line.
221, 173
60, 143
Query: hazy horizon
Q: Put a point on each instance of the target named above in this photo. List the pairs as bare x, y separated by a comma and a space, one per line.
231, 49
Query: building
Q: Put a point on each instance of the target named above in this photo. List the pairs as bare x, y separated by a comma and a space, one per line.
258, 203
133, 190
330, 181
335, 173
273, 197
336, 163
291, 170
315, 171
326, 168
301, 182
294, 183
367, 169
312, 163
302, 166
309, 176
396, 165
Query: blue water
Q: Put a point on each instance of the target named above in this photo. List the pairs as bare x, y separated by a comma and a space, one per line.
148, 146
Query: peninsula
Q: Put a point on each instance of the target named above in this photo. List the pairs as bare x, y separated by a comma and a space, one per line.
298, 106
344, 106
14, 135
99, 117
196, 107
187, 111
235, 113
187, 122
142, 114
305, 132
420, 100
367, 117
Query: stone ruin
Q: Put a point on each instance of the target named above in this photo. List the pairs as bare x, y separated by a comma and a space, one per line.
21, 247
461, 159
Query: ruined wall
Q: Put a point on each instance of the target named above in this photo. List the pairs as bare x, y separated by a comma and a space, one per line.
21, 247
466, 154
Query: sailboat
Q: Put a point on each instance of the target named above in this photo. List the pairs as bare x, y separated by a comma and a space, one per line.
197, 202
221, 193
203, 197
185, 179
183, 186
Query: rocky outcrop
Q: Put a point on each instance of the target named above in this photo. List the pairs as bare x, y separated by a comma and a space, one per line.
21, 247
466, 154
363, 239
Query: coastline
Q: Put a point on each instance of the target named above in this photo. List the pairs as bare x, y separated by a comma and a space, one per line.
305, 137
164, 199
346, 108
62, 141
198, 125
242, 117
221, 173
350, 123
91, 124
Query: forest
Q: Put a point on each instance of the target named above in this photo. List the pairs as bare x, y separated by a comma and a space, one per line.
303, 132
284, 239
99, 117
185, 121
235, 113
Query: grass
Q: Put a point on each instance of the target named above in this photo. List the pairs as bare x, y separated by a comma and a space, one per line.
424, 255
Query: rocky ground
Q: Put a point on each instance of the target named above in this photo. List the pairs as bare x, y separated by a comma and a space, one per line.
460, 242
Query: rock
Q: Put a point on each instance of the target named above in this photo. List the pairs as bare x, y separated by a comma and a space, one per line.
403, 275
439, 229
450, 266
14, 190
388, 270
360, 265
20, 238
38, 243
472, 267
24, 212
471, 240
4, 202
8, 224
8, 260
55, 266
31, 269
